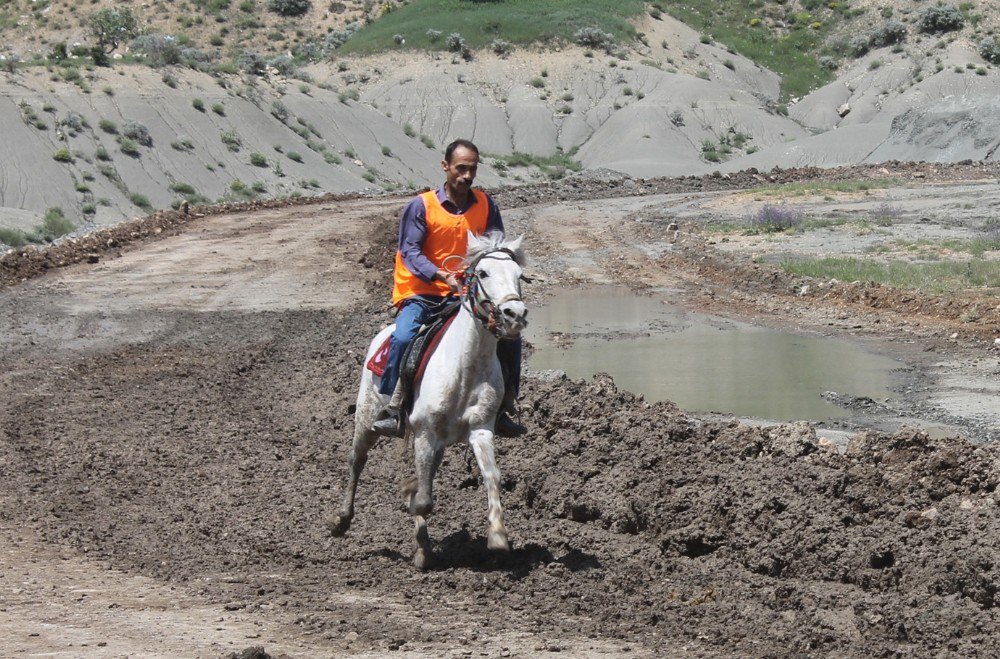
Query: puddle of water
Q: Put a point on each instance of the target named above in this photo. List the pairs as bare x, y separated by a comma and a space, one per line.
701, 363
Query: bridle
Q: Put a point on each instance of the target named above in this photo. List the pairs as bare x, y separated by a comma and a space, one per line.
479, 304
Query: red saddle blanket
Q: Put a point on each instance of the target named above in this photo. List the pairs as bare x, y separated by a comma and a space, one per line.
380, 359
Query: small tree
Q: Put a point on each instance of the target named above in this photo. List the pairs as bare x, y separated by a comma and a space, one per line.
112, 25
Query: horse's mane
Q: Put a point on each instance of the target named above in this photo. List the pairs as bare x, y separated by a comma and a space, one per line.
494, 240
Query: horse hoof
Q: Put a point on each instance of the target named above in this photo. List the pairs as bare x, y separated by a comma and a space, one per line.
497, 542
422, 559
338, 525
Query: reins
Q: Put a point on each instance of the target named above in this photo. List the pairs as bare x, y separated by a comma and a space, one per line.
479, 304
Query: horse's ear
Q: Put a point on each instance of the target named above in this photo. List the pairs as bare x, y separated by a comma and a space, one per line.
515, 247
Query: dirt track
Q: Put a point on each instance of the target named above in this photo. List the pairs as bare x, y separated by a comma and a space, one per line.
179, 413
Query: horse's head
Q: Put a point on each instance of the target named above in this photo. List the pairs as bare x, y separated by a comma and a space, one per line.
494, 276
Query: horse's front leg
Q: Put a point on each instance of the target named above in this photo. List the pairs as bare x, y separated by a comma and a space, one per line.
482, 445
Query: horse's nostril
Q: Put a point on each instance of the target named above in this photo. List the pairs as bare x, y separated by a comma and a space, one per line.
509, 313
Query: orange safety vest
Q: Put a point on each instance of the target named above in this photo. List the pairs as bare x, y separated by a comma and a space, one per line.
446, 235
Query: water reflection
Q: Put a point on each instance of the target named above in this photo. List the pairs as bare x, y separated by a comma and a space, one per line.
700, 363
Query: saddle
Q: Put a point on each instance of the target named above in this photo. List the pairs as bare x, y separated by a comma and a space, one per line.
419, 351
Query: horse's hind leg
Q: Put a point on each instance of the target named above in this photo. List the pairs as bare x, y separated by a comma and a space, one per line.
482, 446
427, 456
364, 440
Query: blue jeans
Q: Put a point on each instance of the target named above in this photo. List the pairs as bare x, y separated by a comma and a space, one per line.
412, 314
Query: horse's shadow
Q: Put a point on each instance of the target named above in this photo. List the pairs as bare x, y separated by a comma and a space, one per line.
460, 550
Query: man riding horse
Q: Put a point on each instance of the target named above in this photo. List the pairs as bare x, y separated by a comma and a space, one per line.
433, 228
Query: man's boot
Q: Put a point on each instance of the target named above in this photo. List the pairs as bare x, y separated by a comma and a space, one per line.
506, 425
390, 420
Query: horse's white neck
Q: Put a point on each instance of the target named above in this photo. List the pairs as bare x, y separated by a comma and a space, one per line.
474, 340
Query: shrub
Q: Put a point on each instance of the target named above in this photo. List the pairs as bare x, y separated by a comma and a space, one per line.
859, 45
890, 32
63, 155
219, 109
940, 18
283, 64
677, 118
54, 225
279, 111
169, 79
828, 62
454, 42
289, 7
770, 218
501, 47
108, 126
294, 155
141, 201
232, 140
252, 63
537, 83
258, 187
128, 147
198, 104
13, 237
258, 160
386, 151
182, 144
183, 188
433, 35
592, 37
399, 39
426, 141
331, 158
102, 154
989, 49
138, 132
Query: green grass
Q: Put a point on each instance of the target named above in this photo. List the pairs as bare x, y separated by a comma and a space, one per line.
517, 21
552, 166
794, 55
823, 187
938, 277
13, 237
974, 246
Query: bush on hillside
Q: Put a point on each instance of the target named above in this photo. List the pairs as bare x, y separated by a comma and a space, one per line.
942, 18
164, 50
501, 47
283, 64
54, 225
989, 49
890, 32
289, 7
592, 37
252, 63
138, 132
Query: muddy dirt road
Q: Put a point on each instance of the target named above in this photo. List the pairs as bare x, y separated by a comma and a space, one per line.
174, 425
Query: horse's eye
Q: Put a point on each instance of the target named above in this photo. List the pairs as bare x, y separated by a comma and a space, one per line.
482, 274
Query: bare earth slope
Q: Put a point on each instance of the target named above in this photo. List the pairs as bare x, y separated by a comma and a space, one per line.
180, 412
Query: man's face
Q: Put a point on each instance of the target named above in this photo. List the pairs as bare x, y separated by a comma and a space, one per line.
461, 171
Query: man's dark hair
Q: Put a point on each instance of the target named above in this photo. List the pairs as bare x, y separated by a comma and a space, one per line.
450, 149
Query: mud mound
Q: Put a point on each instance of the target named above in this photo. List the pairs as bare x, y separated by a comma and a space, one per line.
213, 455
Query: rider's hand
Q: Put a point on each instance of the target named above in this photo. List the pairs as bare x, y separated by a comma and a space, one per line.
450, 279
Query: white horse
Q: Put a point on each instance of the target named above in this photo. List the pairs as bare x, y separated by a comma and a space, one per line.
459, 395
